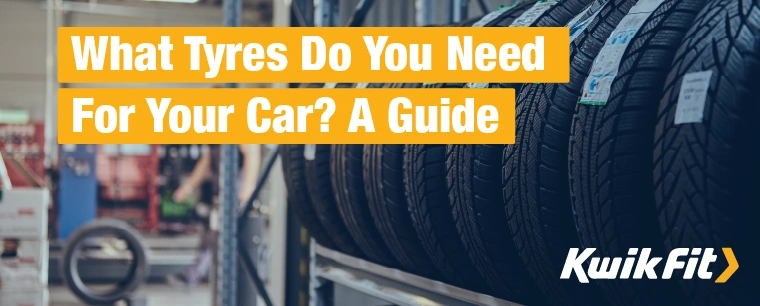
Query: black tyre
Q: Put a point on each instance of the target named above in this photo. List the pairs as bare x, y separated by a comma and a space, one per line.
508, 15
311, 85
137, 271
474, 178
427, 197
319, 184
346, 171
610, 154
706, 166
384, 185
556, 15
345, 85
535, 168
293, 168
406, 85
474, 184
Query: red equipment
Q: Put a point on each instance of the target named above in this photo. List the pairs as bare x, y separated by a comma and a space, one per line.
127, 178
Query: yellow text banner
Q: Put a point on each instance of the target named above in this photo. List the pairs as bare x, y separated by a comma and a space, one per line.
313, 55
286, 116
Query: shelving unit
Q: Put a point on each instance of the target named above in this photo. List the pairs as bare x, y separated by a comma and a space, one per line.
340, 279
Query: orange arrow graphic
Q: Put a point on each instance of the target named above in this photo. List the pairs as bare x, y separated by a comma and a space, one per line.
733, 265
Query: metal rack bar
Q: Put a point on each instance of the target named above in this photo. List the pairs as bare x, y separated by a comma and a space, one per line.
424, 14
227, 251
483, 7
243, 255
326, 13
298, 13
50, 84
331, 267
360, 14
458, 10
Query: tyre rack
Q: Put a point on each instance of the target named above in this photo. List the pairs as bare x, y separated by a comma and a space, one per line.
336, 277
334, 274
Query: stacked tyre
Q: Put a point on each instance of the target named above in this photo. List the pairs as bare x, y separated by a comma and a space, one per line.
650, 147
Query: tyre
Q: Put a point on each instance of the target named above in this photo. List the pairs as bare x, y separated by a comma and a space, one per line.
610, 155
706, 150
474, 179
319, 184
311, 85
427, 197
474, 188
505, 18
346, 171
544, 14
136, 275
345, 85
293, 168
406, 85
535, 168
384, 185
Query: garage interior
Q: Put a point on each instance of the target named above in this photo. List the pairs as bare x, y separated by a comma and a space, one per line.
400, 224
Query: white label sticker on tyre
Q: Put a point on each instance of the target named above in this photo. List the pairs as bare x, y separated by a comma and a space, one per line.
309, 151
692, 97
580, 22
531, 15
596, 89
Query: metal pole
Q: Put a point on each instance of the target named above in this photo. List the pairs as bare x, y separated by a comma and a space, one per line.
271, 158
458, 10
298, 13
243, 254
424, 14
326, 13
360, 14
227, 251
484, 7
50, 86
296, 256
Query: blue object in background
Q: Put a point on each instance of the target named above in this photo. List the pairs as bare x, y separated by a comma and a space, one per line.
77, 188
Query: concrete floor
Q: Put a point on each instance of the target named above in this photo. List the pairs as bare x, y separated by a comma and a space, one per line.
157, 295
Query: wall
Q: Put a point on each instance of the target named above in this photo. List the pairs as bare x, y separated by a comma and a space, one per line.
22, 56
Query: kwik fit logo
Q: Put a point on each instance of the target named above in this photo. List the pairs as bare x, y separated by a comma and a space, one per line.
693, 261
